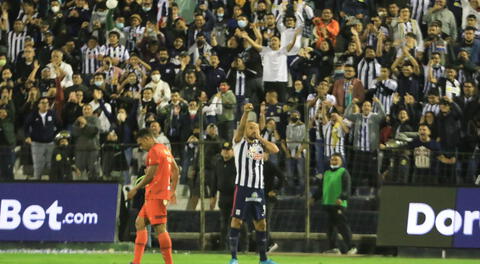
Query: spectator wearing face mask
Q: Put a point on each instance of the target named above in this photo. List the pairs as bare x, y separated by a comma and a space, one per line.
161, 89
103, 108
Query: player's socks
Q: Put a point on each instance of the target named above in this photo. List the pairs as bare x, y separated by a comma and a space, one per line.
140, 242
166, 247
262, 244
233, 238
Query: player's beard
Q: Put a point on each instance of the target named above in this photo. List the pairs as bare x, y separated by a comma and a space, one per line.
251, 137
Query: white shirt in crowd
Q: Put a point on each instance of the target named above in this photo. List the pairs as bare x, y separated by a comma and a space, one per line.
274, 64
104, 122
161, 92
67, 81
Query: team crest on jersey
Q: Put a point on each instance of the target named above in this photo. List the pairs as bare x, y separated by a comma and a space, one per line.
255, 151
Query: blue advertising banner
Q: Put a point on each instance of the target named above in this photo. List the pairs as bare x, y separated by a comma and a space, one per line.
73, 212
445, 217
467, 221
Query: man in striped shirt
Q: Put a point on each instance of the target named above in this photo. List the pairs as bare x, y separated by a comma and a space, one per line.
333, 131
16, 40
114, 49
249, 197
383, 87
90, 56
368, 68
366, 138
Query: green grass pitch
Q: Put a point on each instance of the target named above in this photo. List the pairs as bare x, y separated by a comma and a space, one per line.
181, 258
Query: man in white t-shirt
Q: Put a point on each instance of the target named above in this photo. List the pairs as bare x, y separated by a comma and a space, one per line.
60, 69
274, 60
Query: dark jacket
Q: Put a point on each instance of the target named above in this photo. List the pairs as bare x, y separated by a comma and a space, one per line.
87, 138
223, 177
62, 164
7, 128
37, 131
449, 128
273, 178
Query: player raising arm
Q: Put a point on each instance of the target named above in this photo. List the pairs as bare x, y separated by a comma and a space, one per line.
249, 202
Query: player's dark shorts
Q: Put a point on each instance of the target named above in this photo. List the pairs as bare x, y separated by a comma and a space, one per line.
248, 203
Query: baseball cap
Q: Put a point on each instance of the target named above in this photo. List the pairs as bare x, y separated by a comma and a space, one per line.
227, 145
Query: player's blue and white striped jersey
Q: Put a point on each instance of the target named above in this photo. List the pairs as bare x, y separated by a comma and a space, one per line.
249, 163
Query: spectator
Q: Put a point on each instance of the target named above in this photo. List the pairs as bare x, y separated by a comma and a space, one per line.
448, 123
226, 118
470, 8
161, 89
63, 160
159, 135
449, 85
294, 147
16, 39
274, 178
274, 59
326, 27
435, 43
60, 69
383, 88
366, 142
40, 129
118, 52
7, 138
333, 130
85, 131
425, 154
102, 108
269, 131
471, 45
72, 109
347, 89
223, 181
165, 67
403, 25
368, 68
408, 79
469, 103
441, 13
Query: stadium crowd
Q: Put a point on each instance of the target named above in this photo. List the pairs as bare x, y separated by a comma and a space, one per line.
79, 78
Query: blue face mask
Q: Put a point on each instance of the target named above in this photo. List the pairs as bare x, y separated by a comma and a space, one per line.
98, 83
339, 72
146, 9
242, 23
119, 25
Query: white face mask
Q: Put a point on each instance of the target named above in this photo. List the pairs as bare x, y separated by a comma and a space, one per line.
334, 166
156, 77
192, 112
55, 9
